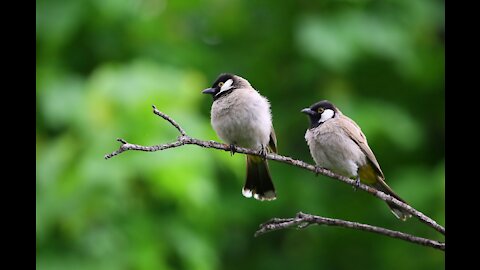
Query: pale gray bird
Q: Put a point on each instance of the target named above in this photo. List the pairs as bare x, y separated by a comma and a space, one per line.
241, 117
337, 143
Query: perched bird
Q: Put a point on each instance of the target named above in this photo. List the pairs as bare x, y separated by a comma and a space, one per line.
337, 143
241, 117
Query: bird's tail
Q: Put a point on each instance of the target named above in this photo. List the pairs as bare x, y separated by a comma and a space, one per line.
397, 211
259, 182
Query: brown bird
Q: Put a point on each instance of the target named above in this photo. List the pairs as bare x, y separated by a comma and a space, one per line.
337, 143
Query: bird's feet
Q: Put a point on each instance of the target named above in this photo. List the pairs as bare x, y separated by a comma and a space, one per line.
357, 183
263, 152
317, 170
233, 149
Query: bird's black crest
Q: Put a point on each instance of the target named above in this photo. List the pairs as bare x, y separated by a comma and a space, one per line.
222, 78
324, 104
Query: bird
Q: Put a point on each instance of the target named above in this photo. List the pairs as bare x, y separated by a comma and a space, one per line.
242, 117
337, 143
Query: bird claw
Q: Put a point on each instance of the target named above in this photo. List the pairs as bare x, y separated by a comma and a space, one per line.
233, 149
263, 153
357, 184
317, 170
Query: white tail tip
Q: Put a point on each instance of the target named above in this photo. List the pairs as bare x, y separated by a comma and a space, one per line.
247, 193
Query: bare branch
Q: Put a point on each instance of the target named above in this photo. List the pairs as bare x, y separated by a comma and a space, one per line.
304, 220
185, 139
128, 146
166, 117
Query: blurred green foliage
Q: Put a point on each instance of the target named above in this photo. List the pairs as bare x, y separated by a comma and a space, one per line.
102, 64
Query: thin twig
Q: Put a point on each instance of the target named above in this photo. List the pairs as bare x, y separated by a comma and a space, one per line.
184, 139
166, 117
303, 220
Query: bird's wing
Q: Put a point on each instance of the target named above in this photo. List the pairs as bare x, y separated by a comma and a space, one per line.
273, 141
356, 134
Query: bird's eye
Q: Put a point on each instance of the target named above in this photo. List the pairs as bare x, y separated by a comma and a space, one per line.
220, 84
320, 110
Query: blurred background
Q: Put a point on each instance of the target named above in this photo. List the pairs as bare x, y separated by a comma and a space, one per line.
102, 64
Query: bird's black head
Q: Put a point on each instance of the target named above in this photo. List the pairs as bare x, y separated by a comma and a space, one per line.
320, 112
225, 84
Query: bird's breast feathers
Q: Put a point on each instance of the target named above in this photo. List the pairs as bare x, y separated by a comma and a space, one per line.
331, 148
243, 118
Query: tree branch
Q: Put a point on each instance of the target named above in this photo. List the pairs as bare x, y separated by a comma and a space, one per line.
166, 117
184, 139
304, 220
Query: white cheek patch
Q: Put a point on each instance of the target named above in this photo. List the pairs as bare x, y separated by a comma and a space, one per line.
327, 114
226, 86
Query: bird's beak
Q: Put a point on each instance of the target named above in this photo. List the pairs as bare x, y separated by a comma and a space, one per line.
210, 91
307, 111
